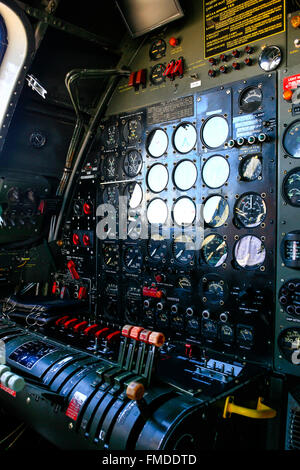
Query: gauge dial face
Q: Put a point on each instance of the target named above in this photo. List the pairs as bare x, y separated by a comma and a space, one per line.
184, 211
134, 194
214, 250
111, 287
157, 143
291, 140
226, 333
111, 195
133, 258
157, 177
157, 49
215, 211
250, 210
132, 130
110, 167
110, 254
184, 283
289, 343
183, 249
214, 291
185, 137
250, 168
270, 58
110, 136
245, 335
249, 252
157, 74
157, 212
214, 132
133, 163
185, 175
157, 248
250, 99
215, 171
291, 187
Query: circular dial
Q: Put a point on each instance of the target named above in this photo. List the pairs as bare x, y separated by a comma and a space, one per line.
132, 301
134, 194
157, 177
250, 210
289, 344
157, 248
291, 140
215, 211
133, 163
111, 195
157, 49
250, 168
157, 143
214, 291
291, 187
132, 130
37, 139
270, 58
215, 171
78, 208
184, 211
185, 175
249, 252
226, 333
214, 132
157, 74
157, 211
110, 254
110, 136
132, 258
250, 99
214, 250
110, 167
185, 137
183, 249
111, 287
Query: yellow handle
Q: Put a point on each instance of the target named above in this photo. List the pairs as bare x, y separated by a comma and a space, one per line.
262, 411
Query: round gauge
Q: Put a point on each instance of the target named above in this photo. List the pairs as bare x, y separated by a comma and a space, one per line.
157, 178
214, 291
111, 287
157, 211
291, 187
111, 195
185, 175
134, 194
250, 168
157, 74
157, 248
250, 99
185, 137
289, 344
30, 196
133, 163
110, 167
245, 336
226, 333
214, 132
133, 305
214, 250
132, 130
270, 58
183, 249
157, 143
249, 252
110, 136
290, 249
37, 139
291, 140
78, 208
250, 210
110, 254
183, 283
215, 211
13, 195
133, 258
157, 49
184, 211
215, 171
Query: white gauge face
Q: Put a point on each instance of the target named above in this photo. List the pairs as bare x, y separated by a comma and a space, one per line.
215, 171
249, 252
157, 212
185, 138
215, 211
215, 132
157, 178
184, 211
157, 143
135, 194
185, 175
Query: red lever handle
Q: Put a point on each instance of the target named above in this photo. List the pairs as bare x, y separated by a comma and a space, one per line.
72, 269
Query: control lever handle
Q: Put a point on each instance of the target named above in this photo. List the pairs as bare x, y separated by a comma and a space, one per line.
261, 412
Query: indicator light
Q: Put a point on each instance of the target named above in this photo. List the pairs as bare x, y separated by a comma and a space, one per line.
76, 240
287, 95
87, 208
173, 42
86, 240
295, 21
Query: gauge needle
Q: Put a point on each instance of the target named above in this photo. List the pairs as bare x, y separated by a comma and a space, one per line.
153, 252
179, 254
108, 262
240, 212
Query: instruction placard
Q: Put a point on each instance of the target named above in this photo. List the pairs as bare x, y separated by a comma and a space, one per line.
230, 24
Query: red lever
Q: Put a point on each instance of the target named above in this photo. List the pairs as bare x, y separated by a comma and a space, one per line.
80, 326
72, 269
86, 240
101, 332
87, 208
62, 320
70, 323
169, 70
178, 68
54, 287
90, 329
113, 336
82, 293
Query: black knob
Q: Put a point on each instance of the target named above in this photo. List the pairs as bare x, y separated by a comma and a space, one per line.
212, 73
236, 53
223, 58
248, 61
249, 49
212, 61
223, 69
236, 65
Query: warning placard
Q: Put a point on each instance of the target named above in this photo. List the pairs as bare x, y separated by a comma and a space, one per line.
229, 24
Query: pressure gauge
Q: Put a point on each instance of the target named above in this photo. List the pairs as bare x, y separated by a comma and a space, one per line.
270, 58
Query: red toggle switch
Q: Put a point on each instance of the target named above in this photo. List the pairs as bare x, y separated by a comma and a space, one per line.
113, 336
72, 269
140, 78
169, 70
101, 333
86, 240
76, 240
62, 320
80, 326
152, 292
131, 81
188, 350
71, 322
54, 287
87, 208
82, 293
90, 329
41, 207
178, 68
